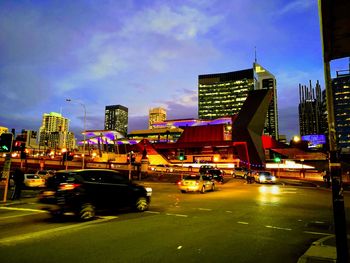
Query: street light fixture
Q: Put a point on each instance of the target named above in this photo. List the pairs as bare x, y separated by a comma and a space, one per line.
84, 132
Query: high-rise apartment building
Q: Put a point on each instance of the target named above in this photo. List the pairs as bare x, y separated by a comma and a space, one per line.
311, 118
223, 94
116, 118
341, 102
156, 115
54, 132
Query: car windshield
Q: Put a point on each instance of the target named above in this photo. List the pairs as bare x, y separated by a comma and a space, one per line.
191, 177
265, 174
32, 176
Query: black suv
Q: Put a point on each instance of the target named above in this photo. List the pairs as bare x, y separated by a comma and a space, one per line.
84, 191
215, 174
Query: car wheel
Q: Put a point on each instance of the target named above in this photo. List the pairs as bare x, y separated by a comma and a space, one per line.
202, 191
57, 214
183, 191
141, 204
87, 212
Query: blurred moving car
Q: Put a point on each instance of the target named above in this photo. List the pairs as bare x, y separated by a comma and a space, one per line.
33, 180
196, 183
163, 168
84, 191
264, 177
240, 172
216, 174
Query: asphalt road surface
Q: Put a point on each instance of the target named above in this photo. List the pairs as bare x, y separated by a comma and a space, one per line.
237, 223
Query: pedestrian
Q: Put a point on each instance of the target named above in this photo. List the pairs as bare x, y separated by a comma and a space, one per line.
326, 178
18, 178
249, 177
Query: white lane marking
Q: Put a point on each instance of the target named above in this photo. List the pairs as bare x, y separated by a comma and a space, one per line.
318, 233
179, 247
279, 228
242, 223
168, 214
9, 240
152, 212
22, 209
228, 211
205, 209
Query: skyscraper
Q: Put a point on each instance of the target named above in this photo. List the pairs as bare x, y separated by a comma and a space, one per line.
341, 97
156, 115
311, 118
54, 132
223, 94
116, 118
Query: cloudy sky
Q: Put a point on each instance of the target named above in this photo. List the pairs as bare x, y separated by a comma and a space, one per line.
148, 53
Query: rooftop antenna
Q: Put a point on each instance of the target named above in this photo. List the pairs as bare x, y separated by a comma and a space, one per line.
255, 60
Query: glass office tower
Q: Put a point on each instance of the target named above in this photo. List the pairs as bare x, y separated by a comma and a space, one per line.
341, 97
116, 119
223, 94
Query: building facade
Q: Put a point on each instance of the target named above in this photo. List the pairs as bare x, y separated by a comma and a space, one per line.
156, 115
223, 94
341, 97
3, 129
116, 119
311, 110
54, 132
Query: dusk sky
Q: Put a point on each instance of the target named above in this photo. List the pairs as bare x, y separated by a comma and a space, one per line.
144, 54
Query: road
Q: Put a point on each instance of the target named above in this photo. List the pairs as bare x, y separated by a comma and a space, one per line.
237, 223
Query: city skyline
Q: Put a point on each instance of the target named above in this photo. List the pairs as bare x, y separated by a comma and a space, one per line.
149, 55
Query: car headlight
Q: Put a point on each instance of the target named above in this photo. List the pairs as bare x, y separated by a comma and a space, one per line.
262, 177
273, 178
149, 191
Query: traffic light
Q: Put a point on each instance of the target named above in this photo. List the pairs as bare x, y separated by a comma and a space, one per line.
277, 159
182, 156
133, 158
6, 142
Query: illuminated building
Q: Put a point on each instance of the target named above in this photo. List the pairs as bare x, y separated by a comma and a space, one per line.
223, 94
54, 132
156, 115
3, 129
311, 119
116, 118
341, 97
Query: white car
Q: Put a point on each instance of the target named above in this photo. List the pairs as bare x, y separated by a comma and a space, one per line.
163, 168
33, 180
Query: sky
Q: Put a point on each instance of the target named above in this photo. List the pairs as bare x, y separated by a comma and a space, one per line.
148, 53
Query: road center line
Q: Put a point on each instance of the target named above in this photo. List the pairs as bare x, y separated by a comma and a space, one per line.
205, 209
279, 228
22, 209
9, 240
168, 214
242, 223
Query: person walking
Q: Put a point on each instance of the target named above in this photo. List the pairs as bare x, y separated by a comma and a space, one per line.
18, 178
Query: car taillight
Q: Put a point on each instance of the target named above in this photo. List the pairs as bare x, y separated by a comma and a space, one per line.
65, 186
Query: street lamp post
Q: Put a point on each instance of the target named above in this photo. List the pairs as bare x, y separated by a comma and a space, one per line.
84, 132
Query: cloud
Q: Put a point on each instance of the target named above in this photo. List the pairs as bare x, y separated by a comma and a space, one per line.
181, 23
296, 6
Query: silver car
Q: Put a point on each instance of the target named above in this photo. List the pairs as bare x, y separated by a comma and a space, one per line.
196, 183
264, 177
